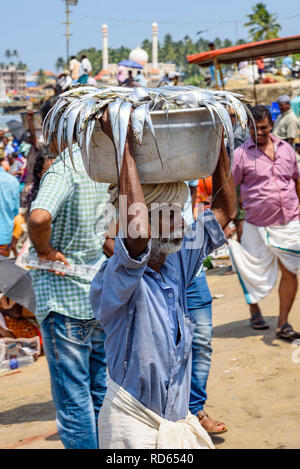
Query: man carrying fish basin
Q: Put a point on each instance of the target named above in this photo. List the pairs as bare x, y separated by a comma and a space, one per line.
139, 298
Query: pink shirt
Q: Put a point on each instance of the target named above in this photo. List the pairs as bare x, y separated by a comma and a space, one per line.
268, 188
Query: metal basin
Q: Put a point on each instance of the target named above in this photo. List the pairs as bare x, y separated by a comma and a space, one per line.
188, 144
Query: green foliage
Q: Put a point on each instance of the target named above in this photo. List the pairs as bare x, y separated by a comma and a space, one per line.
41, 78
169, 51
21, 66
9, 54
262, 24
60, 64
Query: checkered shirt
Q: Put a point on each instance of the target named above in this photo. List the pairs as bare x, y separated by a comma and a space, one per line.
77, 206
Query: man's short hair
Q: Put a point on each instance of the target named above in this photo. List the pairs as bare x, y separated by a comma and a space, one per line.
211, 44
83, 57
259, 113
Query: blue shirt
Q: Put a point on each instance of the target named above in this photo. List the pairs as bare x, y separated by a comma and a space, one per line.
136, 307
9, 205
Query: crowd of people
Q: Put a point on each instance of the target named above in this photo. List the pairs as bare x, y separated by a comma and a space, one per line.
129, 353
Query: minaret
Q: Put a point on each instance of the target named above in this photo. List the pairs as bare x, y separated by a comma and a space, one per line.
154, 46
104, 47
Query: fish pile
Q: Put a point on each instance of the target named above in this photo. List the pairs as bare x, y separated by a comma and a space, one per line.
76, 111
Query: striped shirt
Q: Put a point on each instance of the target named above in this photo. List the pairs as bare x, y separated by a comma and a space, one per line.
77, 207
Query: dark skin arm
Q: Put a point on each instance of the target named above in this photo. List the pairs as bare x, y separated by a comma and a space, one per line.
193, 190
297, 182
39, 229
224, 203
130, 186
290, 141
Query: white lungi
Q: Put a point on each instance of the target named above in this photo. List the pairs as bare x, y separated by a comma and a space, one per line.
256, 258
124, 423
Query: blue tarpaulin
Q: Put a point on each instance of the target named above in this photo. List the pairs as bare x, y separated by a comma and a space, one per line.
130, 64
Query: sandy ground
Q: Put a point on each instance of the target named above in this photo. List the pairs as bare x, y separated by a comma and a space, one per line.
253, 386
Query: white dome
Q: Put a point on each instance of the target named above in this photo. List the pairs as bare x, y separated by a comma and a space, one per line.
139, 55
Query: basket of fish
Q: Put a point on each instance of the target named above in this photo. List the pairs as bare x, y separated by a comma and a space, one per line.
177, 130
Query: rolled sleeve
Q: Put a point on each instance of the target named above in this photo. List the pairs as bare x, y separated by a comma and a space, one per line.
124, 258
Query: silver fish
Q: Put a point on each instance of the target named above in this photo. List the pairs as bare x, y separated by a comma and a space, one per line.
138, 117
61, 127
113, 109
71, 122
123, 117
53, 119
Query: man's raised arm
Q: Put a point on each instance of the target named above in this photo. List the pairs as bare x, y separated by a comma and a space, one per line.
223, 193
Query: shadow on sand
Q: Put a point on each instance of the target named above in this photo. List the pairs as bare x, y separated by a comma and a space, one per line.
241, 329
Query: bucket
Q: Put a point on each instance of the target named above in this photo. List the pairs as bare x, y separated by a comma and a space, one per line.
188, 144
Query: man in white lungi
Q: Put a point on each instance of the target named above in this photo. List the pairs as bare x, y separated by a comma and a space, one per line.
268, 176
139, 298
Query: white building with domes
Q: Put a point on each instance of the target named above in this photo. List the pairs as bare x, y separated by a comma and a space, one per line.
151, 71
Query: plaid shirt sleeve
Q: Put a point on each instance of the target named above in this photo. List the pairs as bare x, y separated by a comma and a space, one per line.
53, 193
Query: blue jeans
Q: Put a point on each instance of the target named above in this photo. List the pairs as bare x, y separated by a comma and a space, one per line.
201, 345
76, 359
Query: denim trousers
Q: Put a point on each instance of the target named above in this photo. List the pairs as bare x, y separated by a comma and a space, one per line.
74, 349
201, 345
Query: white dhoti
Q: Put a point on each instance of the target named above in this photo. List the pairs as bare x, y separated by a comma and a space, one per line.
124, 423
256, 258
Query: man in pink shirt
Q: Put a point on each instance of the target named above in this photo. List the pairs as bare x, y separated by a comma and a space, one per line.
269, 181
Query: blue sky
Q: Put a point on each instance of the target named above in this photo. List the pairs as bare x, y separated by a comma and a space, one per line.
33, 27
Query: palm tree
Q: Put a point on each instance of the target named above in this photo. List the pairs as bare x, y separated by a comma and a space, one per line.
15, 53
262, 24
41, 77
7, 54
60, 63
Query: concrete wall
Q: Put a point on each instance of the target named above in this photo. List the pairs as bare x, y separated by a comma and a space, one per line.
266, 94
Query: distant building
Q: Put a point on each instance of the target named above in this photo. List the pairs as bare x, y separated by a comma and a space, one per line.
151, 71
13, 78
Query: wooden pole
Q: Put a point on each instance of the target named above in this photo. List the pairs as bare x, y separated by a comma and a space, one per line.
221, 75
254, 86
216, 73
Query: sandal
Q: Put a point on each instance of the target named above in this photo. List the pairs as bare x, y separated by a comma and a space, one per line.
257, 322
287, 332
209, 424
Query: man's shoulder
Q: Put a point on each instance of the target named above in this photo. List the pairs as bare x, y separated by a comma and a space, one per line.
291, 117
64, 166
9, 178
283, 145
